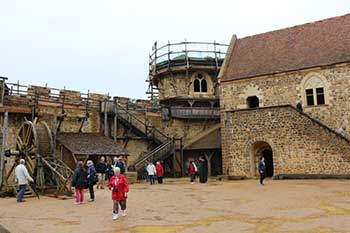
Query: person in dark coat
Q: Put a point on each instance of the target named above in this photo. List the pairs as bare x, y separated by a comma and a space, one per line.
203, 171
262, 170
109, 169
300, 105
101, 168
78, 182
91, 179
119, 163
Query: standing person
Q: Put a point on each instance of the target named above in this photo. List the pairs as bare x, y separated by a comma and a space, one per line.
109, 169
101, 168
78, 182
300, 105
203, 171
341, 131
120, 188
160, 172
192, 171
147, 175
262, 170
119, 163
22, 177
91, 179
151, 170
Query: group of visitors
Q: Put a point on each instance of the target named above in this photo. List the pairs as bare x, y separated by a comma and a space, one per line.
153, 172
112, 172
203, 171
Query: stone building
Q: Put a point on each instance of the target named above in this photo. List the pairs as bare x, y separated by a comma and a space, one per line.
263, 78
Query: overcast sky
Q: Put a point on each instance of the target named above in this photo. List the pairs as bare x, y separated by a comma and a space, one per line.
103, 45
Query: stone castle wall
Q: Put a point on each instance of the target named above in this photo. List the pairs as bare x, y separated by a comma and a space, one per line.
299, 145
287, 88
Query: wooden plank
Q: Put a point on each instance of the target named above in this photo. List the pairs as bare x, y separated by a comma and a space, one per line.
3, 148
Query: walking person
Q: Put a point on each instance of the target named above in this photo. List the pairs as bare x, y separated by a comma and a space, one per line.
203, 171
91, 179
101, 168
151, 170
192, 171
22, 177
78, 182
262, 170
120, 188
159, 172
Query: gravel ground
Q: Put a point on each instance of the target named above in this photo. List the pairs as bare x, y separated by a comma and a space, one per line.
177, 206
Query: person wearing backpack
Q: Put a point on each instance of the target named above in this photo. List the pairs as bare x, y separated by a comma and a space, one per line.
78, 182
192, 171
92, 179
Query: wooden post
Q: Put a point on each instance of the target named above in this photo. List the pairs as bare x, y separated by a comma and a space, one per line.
174, 159
3, 147
115, 128
182, 159
208, 156
105, 119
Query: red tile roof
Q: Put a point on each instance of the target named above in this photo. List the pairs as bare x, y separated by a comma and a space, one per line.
308, 45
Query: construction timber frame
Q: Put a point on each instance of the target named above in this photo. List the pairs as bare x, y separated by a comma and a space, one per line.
183, 55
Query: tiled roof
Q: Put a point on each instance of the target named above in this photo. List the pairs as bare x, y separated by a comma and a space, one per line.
90, 144
308, 45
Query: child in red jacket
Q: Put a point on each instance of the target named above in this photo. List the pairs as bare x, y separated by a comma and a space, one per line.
120, 188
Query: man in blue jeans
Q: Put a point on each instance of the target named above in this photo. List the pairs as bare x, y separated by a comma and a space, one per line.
22, 178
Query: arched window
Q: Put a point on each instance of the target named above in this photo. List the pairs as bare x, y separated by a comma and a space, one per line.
314, 90
204, 85
253, 102
200, 84
197, 85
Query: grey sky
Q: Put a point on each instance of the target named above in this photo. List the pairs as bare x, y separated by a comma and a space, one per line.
104, 45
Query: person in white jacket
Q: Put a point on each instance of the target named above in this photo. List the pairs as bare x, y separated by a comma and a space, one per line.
151, 171
22, 177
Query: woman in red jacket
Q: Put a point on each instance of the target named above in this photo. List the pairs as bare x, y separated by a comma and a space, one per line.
159, 172
120, 188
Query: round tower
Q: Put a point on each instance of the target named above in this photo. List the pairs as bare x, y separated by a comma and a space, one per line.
183, 77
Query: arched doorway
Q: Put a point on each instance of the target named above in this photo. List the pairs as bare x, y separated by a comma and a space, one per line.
262, 149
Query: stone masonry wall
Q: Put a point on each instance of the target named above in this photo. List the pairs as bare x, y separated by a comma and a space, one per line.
286, 88
299, 145
180, 85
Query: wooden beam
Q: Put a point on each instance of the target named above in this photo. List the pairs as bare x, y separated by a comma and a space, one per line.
3, 147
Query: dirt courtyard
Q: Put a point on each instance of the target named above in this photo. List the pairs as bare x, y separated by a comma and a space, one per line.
177, 206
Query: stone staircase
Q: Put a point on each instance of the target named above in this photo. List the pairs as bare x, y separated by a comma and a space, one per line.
300, 143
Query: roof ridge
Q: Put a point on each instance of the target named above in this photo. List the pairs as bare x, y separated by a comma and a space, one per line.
297, 26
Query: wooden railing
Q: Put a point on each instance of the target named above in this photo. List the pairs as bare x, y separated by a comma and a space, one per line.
158, 153
145, 127
15, 93
195, 112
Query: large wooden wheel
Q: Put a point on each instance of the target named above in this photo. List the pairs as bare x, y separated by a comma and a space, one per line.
34, 142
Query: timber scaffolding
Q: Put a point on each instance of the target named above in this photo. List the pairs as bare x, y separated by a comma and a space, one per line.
166, 148
185, 55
